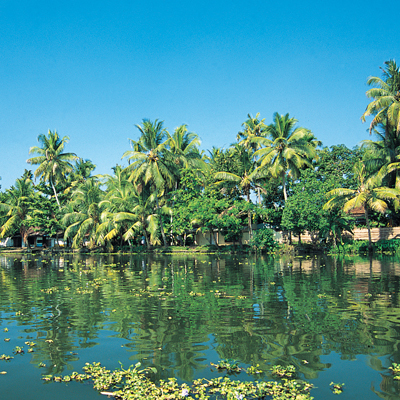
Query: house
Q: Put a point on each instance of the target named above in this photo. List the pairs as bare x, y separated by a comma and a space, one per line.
36, 238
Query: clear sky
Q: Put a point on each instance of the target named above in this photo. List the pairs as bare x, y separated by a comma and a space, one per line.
91, 70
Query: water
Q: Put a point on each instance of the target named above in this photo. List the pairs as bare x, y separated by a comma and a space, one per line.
334, 319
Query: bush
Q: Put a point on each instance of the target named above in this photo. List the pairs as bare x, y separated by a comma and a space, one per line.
391, 246
263, 239
387, 246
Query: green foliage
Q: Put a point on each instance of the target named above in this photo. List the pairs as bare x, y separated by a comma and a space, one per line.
44, 215
352, 247
227, 365
304, 209
395, 368
83, 215
336, 164
337, 388
287, 149
283, 372
391, 246
368, 196
385, 106
182, 203
52, 163
263, 239
16, 209
133, 383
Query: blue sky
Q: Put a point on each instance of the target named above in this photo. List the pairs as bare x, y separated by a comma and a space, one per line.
91, 70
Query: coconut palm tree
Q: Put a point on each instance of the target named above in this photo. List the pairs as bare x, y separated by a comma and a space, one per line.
247, 176
368, 196
252, 127
16, 209
286, 149
150, 162
184, 148
385, 106
117, 198
141, 218
384, 152
52, 163
83, 213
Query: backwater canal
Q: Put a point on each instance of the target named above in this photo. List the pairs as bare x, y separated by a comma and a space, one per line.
334, 319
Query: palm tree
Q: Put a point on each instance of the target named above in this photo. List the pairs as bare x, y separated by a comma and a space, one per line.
385, 106
384, 152
287, 150
367, 196
246, 178
141, 218
127, 210
184, 148
150, 162
53, 163
17, 208
253, 127
83, 213
117, 198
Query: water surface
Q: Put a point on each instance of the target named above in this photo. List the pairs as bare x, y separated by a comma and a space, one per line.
334, 319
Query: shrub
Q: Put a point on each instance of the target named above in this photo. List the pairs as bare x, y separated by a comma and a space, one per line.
263, 239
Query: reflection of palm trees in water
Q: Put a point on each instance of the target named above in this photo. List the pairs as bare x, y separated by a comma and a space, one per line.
304, 312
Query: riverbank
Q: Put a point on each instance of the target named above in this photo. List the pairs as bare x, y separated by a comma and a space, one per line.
350, 247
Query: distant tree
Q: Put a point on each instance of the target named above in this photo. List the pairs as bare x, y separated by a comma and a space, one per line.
336, 224
150, 165
385, 106
44, 215
286, 149
52, 163
184, 150
141, 218
129, 210
83, 213
16, 209
253, 127
82, 171
246, 177
189, 190
368, 196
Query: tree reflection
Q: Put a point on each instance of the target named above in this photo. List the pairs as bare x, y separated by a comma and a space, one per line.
179, 313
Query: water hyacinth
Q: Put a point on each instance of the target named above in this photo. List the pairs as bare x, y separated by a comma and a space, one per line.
185, 392
134, 384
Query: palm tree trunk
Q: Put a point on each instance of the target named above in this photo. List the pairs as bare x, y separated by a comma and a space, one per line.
161, 223
284, 187
369, 229
55, 193
147, 240
249, 217
24, 236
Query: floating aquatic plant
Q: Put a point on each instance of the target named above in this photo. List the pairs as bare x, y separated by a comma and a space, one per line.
134, 384
230, 366
337, 388
18, 350
283, 372
396, 371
